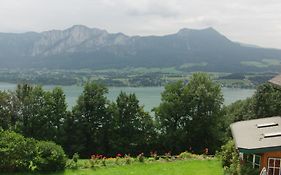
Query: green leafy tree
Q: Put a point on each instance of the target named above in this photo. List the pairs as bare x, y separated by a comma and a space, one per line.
189, 115
133, 127
56, 111
5, 112
203, 99
267, 101
264, 103
72, 134
93, 119
39, 113
172, 119
22, 111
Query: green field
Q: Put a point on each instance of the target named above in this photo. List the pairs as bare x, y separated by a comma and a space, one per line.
187, 167
262, 64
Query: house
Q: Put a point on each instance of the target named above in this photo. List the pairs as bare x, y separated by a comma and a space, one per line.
259, 142
276, 81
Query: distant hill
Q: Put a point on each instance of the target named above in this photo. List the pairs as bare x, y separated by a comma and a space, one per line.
82, 47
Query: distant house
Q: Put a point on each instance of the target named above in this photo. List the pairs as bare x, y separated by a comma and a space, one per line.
259, 141
276, 81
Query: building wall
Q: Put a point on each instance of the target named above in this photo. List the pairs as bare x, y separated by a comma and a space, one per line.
265, 156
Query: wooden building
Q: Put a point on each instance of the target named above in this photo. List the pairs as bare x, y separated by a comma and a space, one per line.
259, 142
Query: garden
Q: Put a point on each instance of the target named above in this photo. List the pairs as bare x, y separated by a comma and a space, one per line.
39, 135
182, 164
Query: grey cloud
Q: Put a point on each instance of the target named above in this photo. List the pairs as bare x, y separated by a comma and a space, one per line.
250, 21
154, 10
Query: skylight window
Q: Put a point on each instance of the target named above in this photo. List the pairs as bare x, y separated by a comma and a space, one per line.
265, 125
273, 134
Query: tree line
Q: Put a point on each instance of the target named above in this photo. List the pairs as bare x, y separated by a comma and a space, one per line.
190, 117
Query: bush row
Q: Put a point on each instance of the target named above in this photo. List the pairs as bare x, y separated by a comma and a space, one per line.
18, 153
99, 161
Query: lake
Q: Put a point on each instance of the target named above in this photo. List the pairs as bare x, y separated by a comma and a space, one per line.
150, 97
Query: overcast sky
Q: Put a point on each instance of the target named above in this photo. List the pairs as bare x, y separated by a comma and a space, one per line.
249, 21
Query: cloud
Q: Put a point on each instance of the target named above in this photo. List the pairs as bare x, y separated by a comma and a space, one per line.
154, 9
249, 21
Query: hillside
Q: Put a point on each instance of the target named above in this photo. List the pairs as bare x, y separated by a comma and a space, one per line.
82, 47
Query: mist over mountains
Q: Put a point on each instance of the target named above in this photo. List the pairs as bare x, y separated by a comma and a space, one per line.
82, 47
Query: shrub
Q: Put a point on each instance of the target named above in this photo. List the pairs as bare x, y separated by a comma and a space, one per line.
247, 169
186, 155
128, 159
167, 156
70, 164
16, 152
230, 158
73, 163
75, 157
50, 156
103, 161
141, 158
23, 154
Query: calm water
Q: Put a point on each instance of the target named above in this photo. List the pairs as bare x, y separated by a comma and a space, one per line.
148, 96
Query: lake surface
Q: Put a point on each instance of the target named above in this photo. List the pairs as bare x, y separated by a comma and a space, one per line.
150, 97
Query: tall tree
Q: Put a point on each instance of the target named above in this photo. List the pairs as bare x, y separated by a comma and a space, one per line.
93, 118
172, 119
203, 99
5, 112
39, 113
133, 127
56, 111
189, 114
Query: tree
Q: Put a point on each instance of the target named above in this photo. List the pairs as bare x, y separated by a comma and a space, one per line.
189, 114
93, 119
237, 111
133, 127
56, 112
267, 101
38, 113
203, 99
21, 100
172, 119
5, 114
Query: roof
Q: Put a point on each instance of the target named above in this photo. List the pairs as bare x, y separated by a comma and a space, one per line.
257, 136
276, 80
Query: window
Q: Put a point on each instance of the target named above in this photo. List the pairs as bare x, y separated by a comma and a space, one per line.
257, 161
249, 158
254, 160
274, 165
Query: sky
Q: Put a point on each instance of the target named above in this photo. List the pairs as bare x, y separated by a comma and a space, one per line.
249, 21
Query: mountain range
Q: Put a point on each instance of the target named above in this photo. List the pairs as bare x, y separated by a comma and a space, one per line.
82, 47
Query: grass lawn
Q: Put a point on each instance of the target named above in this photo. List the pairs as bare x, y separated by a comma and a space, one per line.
188, 167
